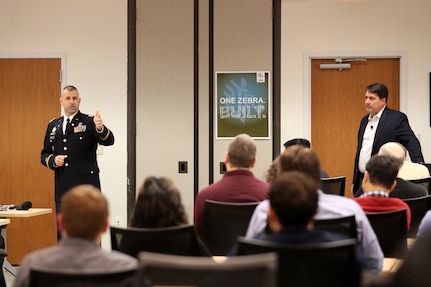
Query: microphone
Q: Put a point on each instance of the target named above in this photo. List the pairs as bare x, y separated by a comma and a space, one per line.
23, 206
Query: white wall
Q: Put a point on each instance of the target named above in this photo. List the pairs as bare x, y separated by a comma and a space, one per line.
93, 35
372, 26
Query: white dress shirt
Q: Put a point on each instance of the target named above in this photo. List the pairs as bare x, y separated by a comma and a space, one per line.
65, 121
368, 140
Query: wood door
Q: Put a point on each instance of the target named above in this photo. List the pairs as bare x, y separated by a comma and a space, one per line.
337, 106
29, 92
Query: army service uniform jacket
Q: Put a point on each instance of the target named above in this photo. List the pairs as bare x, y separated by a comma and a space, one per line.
79, 144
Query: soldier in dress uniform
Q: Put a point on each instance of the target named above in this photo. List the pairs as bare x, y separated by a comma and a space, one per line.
70, 145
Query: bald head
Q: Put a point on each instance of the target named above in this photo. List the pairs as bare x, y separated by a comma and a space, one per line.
393, 149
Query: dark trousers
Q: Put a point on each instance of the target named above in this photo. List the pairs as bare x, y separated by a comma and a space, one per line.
57, 211
358, 182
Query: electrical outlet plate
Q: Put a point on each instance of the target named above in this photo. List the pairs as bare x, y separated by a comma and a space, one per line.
182, 167
117, 221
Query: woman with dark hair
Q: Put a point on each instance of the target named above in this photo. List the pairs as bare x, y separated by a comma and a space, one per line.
158, 205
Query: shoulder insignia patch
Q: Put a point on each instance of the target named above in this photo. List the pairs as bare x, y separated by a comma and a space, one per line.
90, 115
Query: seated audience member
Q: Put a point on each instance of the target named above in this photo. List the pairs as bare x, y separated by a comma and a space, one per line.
273, 170
238, 183
298, 141
403, 188
298, 158
409, 170
305, 143
158, 205
414, 271
425, 225
83, 219
292, 205
378, 183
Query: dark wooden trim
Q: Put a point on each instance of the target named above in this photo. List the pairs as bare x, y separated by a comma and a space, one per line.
196, 98
131, 106
211, 92
276, 82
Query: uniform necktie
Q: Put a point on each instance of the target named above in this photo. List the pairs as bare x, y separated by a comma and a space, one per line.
69, 127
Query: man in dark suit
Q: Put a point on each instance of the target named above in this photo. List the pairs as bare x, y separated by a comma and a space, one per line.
380, 126
70, 145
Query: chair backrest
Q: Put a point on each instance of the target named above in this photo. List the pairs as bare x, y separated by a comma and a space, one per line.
428, 165
425, 182
223, 222
251, 271
3, 254
180, 240
343, 224
323, 264
334, 185
418, 207
391, 231
44, 278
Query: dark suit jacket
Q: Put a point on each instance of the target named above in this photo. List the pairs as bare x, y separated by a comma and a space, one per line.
404, 189
80, 146
393, 127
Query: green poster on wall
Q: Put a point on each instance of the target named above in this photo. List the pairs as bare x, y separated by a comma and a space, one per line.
242, 104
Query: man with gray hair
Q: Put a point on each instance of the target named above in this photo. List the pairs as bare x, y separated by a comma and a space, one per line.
238, 183
408, 170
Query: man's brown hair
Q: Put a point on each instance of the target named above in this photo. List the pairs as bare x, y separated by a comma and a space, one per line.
299, 158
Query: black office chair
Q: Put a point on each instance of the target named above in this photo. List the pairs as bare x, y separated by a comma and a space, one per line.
428, 165
391, 231
343, 224
223, 222
323, 264
425, 182
418, 207
334, 185
40, 277
179, 240
174, 270
3, 254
